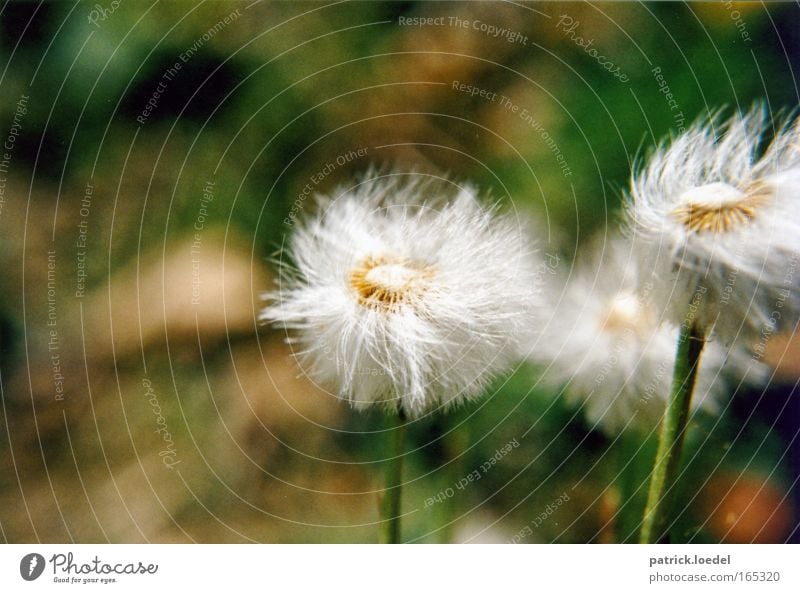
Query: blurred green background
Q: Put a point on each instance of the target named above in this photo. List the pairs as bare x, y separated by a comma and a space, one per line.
169, 188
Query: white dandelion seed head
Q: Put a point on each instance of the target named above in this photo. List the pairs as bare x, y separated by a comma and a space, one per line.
717, 214
607, 348
405, 292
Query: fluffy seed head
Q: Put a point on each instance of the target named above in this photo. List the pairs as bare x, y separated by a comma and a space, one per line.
405, 292
606, 347
717, 214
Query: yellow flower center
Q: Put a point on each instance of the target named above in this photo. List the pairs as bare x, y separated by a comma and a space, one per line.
719, 207
385, 283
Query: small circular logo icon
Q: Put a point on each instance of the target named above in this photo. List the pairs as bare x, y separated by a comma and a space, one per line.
31, 566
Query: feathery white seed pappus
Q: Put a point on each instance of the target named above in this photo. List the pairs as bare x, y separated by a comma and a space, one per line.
719, 216
605, 346
406, 293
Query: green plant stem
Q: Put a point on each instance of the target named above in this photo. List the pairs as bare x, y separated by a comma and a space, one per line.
673, 429
455, 442
391, 502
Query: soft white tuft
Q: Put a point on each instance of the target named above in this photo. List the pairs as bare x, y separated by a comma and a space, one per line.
605, 346
718, 215
406, 292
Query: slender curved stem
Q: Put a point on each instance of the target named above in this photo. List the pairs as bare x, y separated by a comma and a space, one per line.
673, 429
392, 494
454, 442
